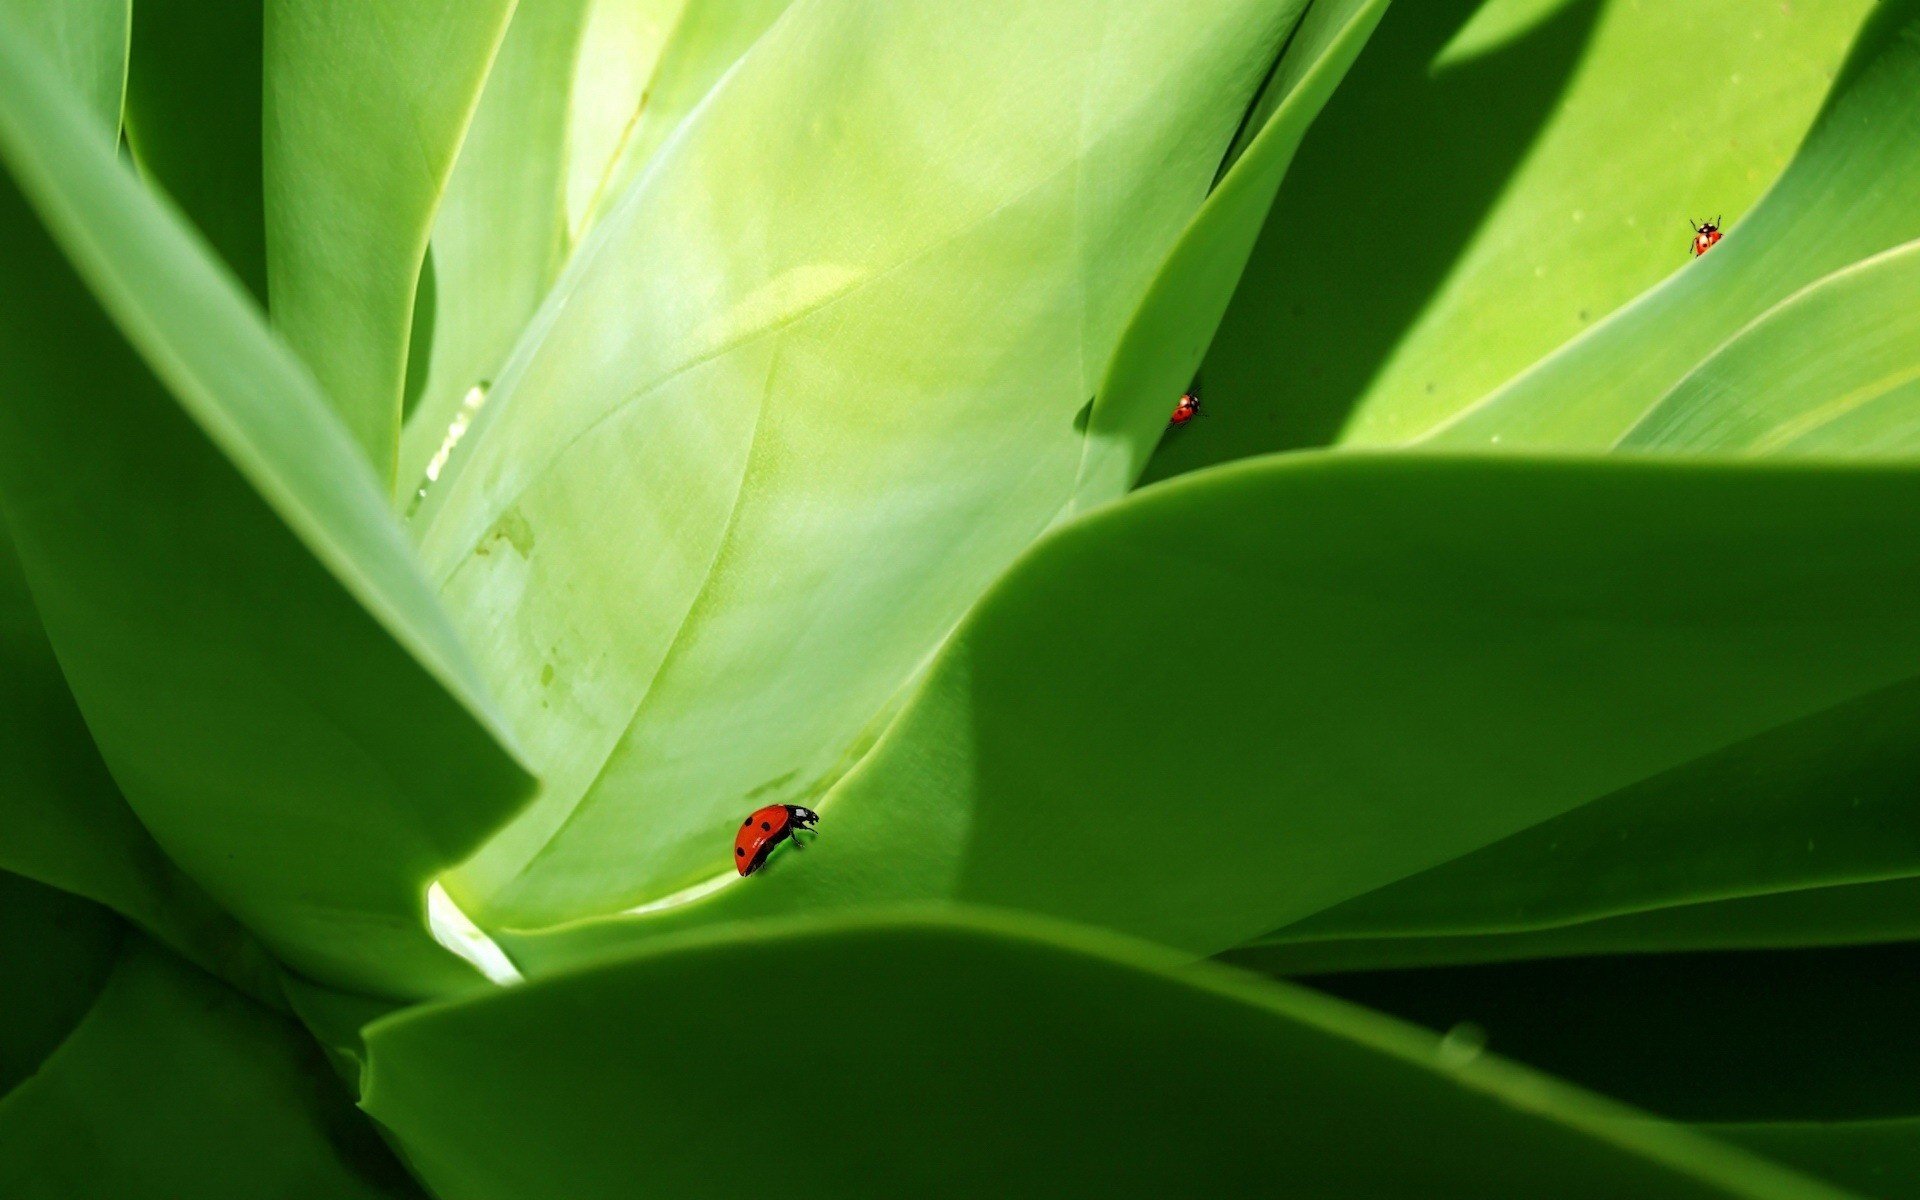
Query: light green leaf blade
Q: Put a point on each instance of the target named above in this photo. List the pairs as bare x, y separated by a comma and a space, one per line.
1822, 803
193, 120
56, 950
1181, 312
84, 42
176, 1086
63, 821
1832, 370
1264, 691
1490, 180
500, 234
267, 676
1852, 191
1159, 1080
365, 107
700, 561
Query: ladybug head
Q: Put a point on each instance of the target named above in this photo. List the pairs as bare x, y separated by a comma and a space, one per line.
803, 818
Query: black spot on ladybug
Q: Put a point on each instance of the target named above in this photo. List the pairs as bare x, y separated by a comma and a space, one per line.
739, 853
764, 825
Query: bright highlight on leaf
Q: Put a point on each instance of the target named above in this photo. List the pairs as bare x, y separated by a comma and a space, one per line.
477, 476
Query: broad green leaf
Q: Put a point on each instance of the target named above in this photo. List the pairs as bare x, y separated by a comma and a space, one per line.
1494, 177
365, 107
1874, 1158
193, 120
176, 1086
63, 821
1169, 334
1852, 191
83, 42
238, 613
900, 1058
1248, 696
500, 234
1833, 369
1820, 803
621, 46
794, 409
56, 951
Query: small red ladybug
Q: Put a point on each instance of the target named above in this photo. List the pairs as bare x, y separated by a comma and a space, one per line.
1186, 410
767, 828
1704, 236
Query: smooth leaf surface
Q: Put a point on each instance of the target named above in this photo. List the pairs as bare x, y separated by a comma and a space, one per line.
176, 1086
1494, 177
1852, 191
63, 821
1155, 1080
1822, 803
84, 43
365, 107
1874, 1158
56, 952
1831, 370
268, 678
1169, 334
500, 234
1261, 692
193, 120
876, 276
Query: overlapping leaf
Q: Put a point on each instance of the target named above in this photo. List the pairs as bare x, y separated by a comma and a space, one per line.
977, 1057
237, 611
815, 384
364, 109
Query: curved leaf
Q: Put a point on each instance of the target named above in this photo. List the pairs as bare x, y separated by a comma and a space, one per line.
238, 613
56, 952
1492, 178
175, 1086
1875, 1158
794, 410
756, 1056
1833, 369
84, 42
1260, 692
1851, 192
365, 107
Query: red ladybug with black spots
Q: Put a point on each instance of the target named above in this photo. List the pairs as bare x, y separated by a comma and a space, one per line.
1186, 410
767, 828
1705, 235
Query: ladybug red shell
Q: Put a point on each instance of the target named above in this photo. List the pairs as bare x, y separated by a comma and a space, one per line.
1705, 235
766, 828
1186, 410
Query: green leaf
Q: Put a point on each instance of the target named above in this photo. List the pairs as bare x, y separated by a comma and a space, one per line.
1833, 369
758, 1058
365, 107
267, 676
1240, 699
1491, 180
63, 821
1169, 334
56, 951
1820, 803
84, 42
193, 120
1874, 1158
500, 234
699, 561
176, 1086
1847, 195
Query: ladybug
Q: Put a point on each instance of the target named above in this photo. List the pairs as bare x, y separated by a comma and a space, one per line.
766, 828
1705, 235
1186, 410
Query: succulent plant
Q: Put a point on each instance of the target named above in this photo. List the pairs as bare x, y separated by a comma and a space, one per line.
461, 458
